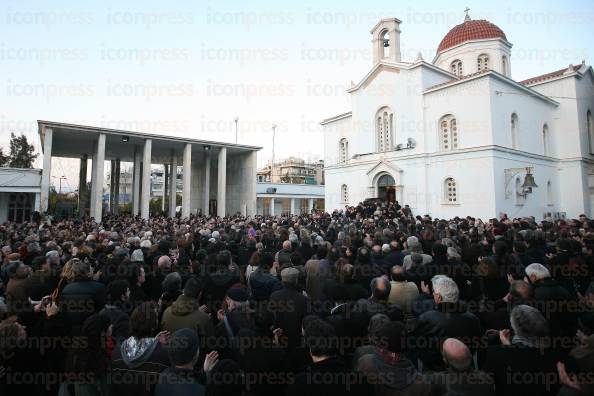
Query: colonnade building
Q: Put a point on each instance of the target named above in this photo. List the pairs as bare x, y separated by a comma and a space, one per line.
218, 178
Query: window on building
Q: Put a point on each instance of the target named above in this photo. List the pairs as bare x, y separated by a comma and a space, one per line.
504, 65
545, 140
384, 126
20, 206
482, 62
590, 126
450, 191
343, 150
344, 194
448, 133
515, 134
456, 67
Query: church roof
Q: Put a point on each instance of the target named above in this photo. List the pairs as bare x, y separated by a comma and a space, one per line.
551, 75
457, 79
470, 30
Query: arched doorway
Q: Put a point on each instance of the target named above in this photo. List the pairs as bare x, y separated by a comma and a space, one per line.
386, 188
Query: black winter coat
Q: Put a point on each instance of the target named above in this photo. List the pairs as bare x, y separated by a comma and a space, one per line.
448, 320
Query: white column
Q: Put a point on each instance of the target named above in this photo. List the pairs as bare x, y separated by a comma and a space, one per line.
92, 199
172, 184
82, 185
222, 182
292, 206
187, 177
206, 184
146, 179
253, 166
271, 206
46, 172
37, 201
116, 190
98, 178
310, 203
136, 181
164, 192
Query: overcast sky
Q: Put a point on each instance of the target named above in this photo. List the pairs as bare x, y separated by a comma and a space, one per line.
188, 68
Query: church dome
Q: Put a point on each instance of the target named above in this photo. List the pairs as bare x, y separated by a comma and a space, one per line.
469, 30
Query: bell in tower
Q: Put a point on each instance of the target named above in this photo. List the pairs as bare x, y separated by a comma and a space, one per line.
386, 40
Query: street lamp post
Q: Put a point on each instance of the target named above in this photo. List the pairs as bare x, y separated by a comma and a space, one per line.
273, 135
236, 128
61, 178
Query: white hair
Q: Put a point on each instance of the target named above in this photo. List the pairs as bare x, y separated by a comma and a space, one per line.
538, 270
413, 244
146, 244
385, 248
453, 253
446, 288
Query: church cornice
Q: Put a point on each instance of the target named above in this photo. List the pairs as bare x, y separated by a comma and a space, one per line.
336, 118
396, 67
383, 163
496, 150
498, 76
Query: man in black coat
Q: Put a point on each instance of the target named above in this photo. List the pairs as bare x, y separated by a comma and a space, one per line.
521, 365
289, 306
328, 374
554, 301
449, 319
82, 297
118, 295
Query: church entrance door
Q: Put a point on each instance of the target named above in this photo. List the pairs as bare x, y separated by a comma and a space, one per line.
386, 188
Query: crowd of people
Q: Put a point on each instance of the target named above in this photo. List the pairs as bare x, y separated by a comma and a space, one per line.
368, 300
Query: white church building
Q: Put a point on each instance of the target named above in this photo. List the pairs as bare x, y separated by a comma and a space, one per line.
459, 136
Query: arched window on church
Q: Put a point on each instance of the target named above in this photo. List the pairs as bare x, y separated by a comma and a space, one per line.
384, 128
448, 133
344, 194
515, 134
504, 65
450, 191
546, 145
590, 126
482, 62
456, 67
343, 150
386, 44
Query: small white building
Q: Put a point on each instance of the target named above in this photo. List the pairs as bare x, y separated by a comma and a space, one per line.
458, 135
273, 199
20, 191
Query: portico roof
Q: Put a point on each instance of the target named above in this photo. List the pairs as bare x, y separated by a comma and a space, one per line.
73, 141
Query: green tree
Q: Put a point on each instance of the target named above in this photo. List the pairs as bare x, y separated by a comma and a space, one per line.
3, 158
21, 152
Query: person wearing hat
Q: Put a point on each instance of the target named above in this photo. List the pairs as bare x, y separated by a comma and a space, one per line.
234, 316
289, 320
180, 379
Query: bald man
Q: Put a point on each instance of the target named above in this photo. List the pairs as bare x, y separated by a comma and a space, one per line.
283, 256
460, 378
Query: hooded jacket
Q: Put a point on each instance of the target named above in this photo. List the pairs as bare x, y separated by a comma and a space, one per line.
136, 365
185, 313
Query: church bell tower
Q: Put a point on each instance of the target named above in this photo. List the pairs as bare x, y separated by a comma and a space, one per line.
386, 40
